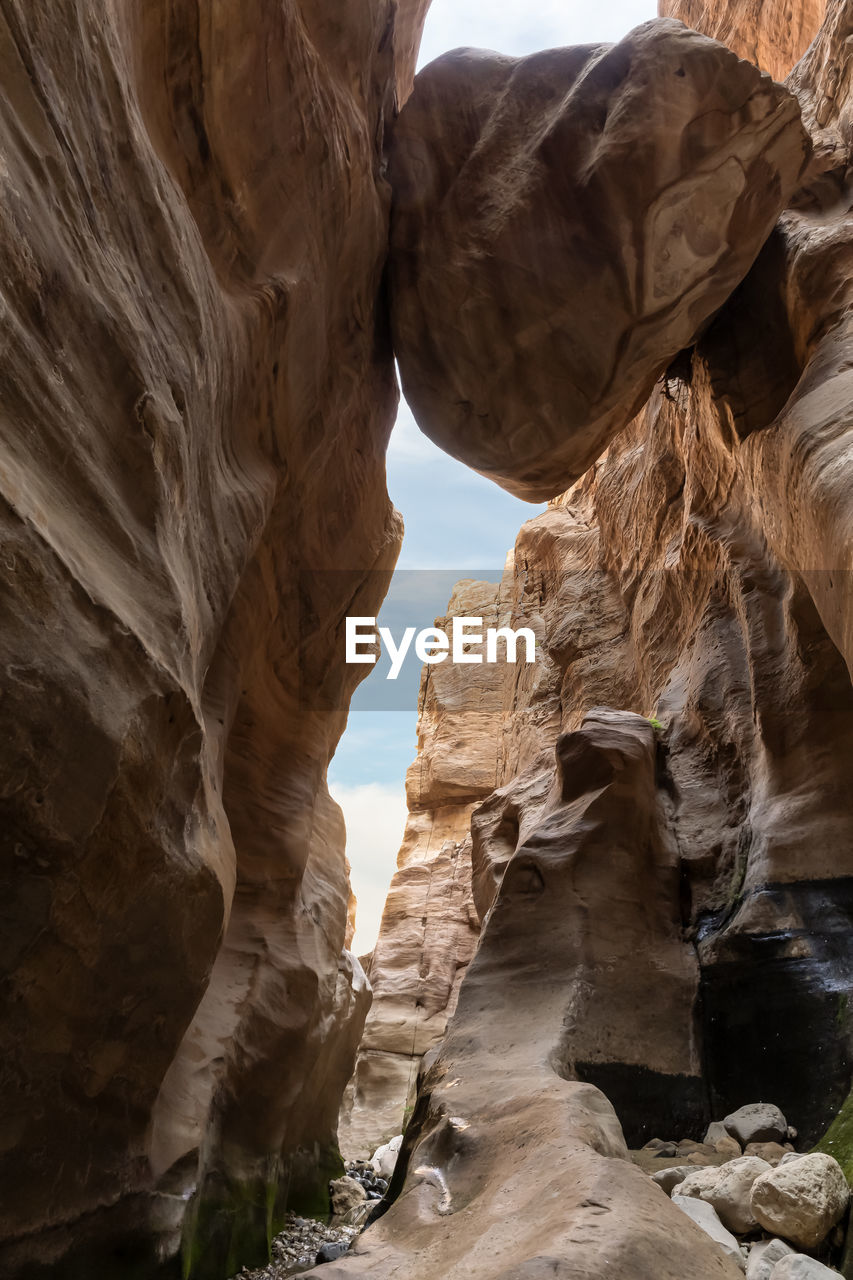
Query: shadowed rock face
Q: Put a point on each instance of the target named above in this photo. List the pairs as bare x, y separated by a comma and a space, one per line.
563, 225
195, 383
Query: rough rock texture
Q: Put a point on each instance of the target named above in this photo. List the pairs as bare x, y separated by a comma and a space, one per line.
801, 1201
536, 301
195, 382
757, 1122
769, 33
706, 1217
429, 926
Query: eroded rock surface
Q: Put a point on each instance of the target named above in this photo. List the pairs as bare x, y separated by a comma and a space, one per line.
195, 382
429, 926
563, 225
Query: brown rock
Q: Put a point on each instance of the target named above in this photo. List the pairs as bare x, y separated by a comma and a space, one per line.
526, 345
429, 926
507, 1156
772, 35
772, 1152
194, 384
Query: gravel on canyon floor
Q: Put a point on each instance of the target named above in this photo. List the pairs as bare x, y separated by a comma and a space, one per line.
296, 1248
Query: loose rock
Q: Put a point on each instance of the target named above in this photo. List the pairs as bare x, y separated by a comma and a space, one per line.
802, 1200
385, 1157
757, 1122
772, 1152
706, 1217
797, 1266
345, 1194
669, 1178
763, 1258
730, 1193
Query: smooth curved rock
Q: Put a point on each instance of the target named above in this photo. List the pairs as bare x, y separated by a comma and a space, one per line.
509, 1158
705, 1217
563, 225
195, 381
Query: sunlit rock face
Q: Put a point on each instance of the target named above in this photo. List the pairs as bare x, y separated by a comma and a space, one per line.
196, 389
429, 926
563, 225
772, 35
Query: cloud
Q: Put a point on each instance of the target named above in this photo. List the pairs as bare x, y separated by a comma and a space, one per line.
375, 815
520, 28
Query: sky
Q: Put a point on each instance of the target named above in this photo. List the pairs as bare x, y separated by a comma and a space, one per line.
457, 522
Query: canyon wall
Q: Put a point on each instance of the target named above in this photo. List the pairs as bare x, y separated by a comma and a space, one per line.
197, 392
429, 925
664, 872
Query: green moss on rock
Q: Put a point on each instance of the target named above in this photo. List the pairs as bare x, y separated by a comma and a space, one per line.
838, 1139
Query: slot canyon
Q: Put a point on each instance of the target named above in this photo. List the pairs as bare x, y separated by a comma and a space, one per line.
615, 279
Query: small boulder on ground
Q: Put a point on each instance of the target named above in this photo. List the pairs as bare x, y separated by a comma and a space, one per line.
345, 1194
763, 1258
331, 1251
757, 1122
798, 1266
698, 1182
705, 1217
801, 1201
659, 1147
772, 1152
669, 1178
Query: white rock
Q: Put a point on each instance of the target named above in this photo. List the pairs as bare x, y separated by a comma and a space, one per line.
763, 1258
730, 1193
797, 1266
385, 1157
706, 1217
698, 1182
758, 1122
801, 1200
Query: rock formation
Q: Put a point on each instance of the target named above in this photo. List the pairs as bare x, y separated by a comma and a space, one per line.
667, 904
429, 926
196, 384
553, 249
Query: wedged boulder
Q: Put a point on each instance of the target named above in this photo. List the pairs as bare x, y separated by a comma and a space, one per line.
563, 225
801, 1201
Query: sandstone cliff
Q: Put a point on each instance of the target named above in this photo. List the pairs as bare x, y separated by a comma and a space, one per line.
429, 926
667, 903
196, 384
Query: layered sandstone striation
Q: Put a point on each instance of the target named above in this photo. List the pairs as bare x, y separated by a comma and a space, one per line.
196, 384
563, 225
664, 872
429, 926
